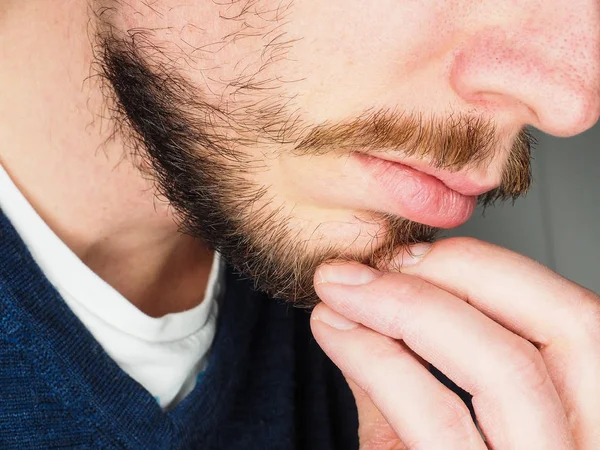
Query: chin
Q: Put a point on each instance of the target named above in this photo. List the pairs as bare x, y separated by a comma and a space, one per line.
355, 235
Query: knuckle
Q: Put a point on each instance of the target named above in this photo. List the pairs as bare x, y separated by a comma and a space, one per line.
384, 354
579, 321
413, 289
527, 366
586, 319
456, 418
387, 350
464, 250
453, 422
463, 245
410, 288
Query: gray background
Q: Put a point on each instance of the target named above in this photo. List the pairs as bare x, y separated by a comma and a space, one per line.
557, 222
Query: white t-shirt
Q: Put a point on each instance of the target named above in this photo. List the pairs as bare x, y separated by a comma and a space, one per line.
166, 354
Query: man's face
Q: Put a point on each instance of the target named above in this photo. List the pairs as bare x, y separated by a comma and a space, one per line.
270, 124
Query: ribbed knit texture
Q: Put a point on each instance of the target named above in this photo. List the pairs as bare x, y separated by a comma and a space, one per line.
267, 384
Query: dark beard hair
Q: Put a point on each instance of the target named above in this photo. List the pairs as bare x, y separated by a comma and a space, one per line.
182, 143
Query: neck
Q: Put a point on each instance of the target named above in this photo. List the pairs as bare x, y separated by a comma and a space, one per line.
60, 149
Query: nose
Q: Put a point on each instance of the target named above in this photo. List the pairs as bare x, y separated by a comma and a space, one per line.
537, 60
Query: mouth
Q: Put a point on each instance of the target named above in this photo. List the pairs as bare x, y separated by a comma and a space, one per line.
459, 182
422, 194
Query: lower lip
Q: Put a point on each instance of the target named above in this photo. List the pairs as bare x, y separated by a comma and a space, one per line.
415, 195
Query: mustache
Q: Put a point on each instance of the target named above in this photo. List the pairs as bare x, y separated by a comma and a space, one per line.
451, 143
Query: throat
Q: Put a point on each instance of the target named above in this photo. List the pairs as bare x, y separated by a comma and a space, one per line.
157, 279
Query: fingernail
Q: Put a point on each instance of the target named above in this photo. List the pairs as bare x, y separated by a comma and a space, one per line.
413, 254
350, 273
333, 319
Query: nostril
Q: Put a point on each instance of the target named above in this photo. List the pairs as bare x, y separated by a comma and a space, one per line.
540, 77
491, 101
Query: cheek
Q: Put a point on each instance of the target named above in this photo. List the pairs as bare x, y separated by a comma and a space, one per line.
353, 57
309, 195
219, 46
334, 59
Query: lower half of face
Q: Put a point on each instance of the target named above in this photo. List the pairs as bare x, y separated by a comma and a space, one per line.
284, 140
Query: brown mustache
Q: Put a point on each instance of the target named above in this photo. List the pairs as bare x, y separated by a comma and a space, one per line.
451, 143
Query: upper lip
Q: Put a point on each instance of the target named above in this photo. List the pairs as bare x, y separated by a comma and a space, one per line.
460, 182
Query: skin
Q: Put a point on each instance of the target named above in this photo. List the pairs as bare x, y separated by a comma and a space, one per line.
216, 116
510, 63
520, 338
56, 150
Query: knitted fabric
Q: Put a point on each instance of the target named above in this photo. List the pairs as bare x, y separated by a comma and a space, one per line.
267, 384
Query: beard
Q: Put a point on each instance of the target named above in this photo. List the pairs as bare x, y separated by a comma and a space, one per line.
200, 157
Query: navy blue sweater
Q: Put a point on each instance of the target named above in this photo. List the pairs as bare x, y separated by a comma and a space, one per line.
267, 384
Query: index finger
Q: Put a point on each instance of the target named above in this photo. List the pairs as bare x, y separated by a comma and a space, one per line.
515, 291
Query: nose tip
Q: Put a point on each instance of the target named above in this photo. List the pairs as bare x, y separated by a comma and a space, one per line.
569, 113
554, 87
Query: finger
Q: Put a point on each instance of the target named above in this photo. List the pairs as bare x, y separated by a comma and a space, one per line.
562, 318
422, 411
373, 429
515, 291
516, 403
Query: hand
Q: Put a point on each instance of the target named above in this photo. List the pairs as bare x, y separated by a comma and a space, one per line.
524, 341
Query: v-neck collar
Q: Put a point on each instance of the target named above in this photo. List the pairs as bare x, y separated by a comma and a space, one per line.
85, 377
